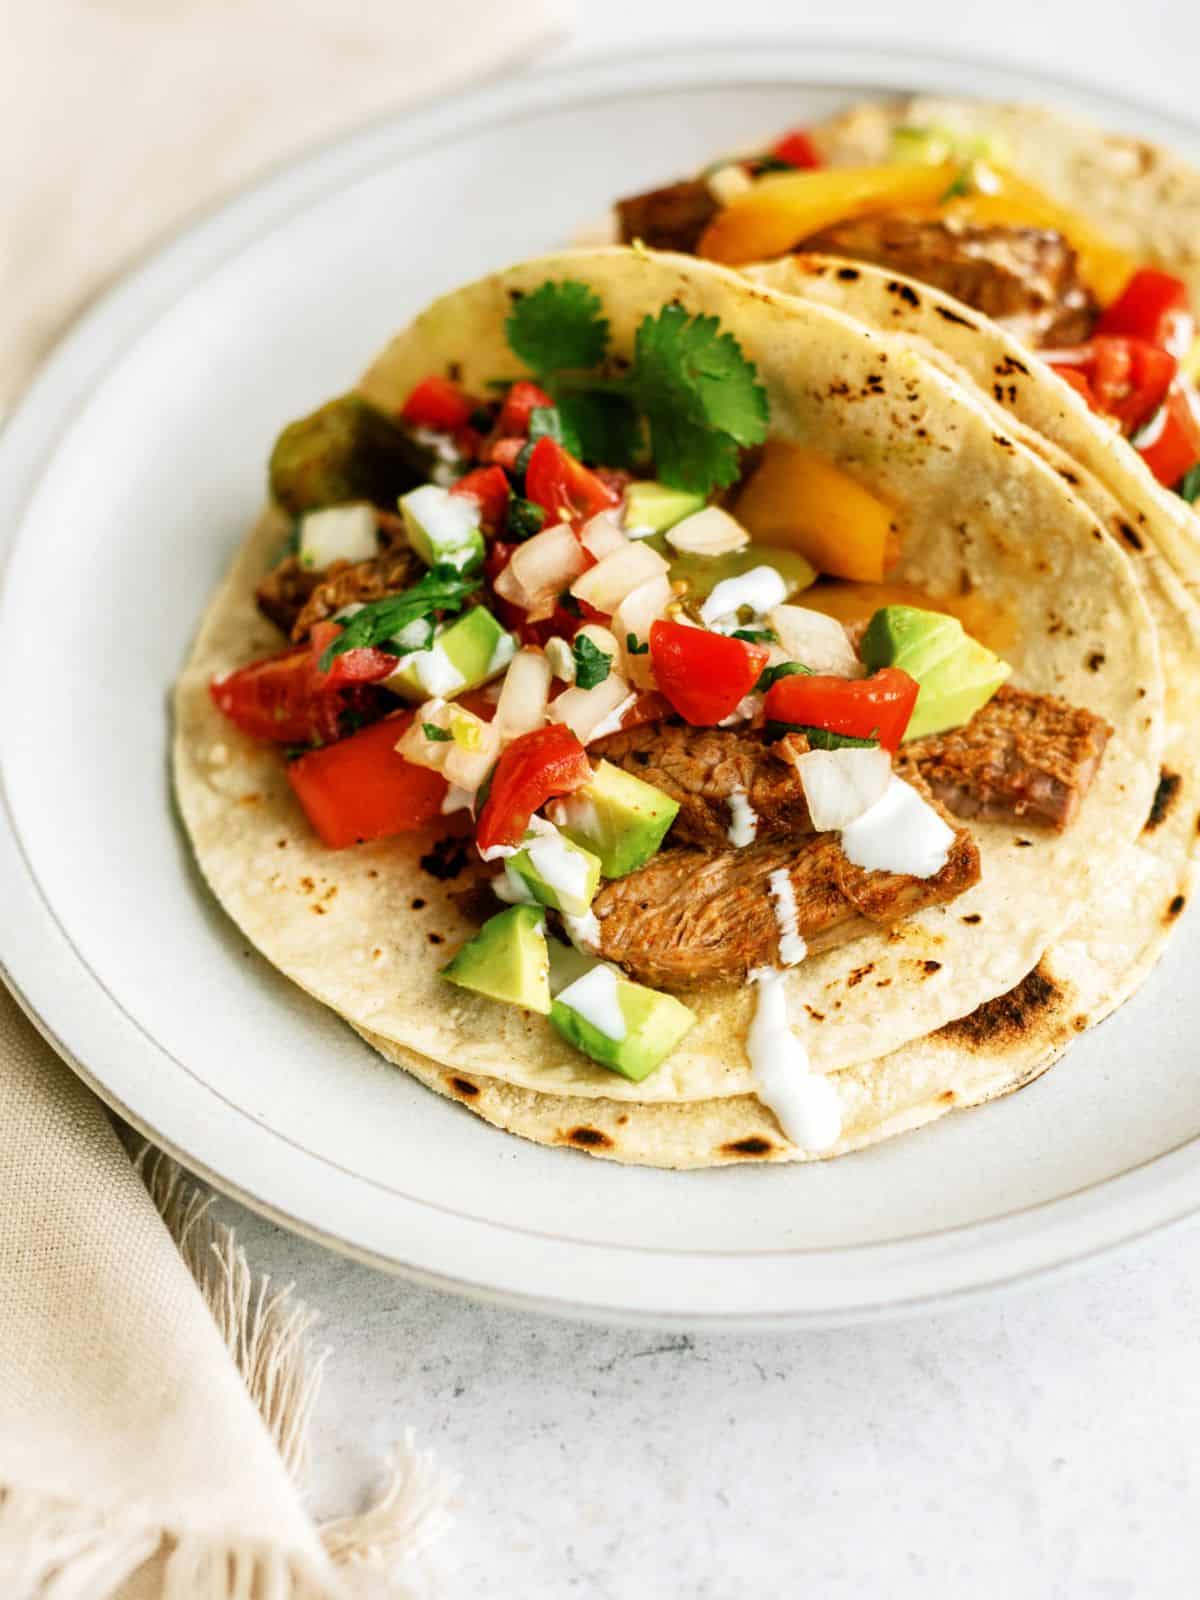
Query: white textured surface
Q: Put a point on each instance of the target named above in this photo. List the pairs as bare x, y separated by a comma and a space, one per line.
1040, 1445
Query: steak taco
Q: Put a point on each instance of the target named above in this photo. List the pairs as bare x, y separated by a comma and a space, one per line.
1083, 245
689, 693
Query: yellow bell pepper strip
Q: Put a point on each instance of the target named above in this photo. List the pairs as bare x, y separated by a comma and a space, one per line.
798, 499
783, 208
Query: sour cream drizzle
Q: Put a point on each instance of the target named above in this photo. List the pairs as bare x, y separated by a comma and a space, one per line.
743, 824
792, 948
901, 832
805, 1102
595, 998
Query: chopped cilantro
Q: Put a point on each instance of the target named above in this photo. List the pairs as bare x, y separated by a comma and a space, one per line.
545, 423
441, 589
963, 184
435, 734
755, 635
570, 605
1189, 485
820, 738
785, 669
634, 648
599, 425
592, 665
558, 327
525, 517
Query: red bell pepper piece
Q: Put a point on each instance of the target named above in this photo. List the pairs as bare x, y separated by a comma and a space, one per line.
1176, 449
1128, 378
489, 486
437, 403
360, 789
878, 707
703, 675
563, 487
796, 149
1152, 306
547, 762
523, 399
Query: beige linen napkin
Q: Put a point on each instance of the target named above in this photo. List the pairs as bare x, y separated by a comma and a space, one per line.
147, 1446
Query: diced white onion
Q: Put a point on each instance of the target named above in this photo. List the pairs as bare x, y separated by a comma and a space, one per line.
541, 569
607, 583
759, 589
603, 534
615, 720
465, 768
839, 785
586, 711
711, 532
561, 659
584, 931
639, 610
337, 533
458, 800
604, 640
729, 183
900, 833
818, 642
413, 744
523, 694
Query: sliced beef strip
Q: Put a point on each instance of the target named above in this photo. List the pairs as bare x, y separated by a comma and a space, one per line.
295, 597
1027, 279
703, 767
1023, 756
673, 218
691, 918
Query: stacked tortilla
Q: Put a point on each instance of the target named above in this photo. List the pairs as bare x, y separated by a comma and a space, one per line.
1020, 504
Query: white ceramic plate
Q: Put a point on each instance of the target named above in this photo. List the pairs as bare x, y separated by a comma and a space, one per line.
126, 480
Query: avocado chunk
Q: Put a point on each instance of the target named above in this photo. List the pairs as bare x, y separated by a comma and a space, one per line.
956, 673
703, 573
557, 872
618, 818
658, 507
443, 528
467, 652
621, 1025
507, 960
345, 451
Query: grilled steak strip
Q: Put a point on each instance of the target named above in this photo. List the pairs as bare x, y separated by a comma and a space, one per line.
668, 219
702, 767
1027, 279
689, 918
1023, 756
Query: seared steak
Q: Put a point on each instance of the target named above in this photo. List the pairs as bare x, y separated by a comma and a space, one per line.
695, 917
668, 219
1026, 756
1027, 279
702, 767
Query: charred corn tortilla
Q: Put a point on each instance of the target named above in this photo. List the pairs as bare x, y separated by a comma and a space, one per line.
366, 930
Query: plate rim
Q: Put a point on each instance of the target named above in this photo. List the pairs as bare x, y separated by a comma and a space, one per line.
110, 328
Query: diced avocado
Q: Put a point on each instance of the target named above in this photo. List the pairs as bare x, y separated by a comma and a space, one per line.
703, 573
957, 674
467, 652
931, 146
619, 1024
657, 506
618, 817
557, 872
443, 528
507, 960
347, 450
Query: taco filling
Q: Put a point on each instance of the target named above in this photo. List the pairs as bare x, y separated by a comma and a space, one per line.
945, 207
564, 617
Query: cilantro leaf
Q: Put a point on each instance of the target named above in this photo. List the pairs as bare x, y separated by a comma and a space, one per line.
820, 738
1189, 486
755, 635
525, 518
435, 734
701, 397
558, 326
592, 665
600, 426
785, 669
441, 589
634, 648
545, 423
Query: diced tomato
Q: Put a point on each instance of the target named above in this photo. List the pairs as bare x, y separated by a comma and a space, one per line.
504, 452
523, 399
563, 487
478, 703
1152, 306
1129, 378
1176, 450
363, 665
703, 675
796, 149
1078, 382
878, 707
468, 442
549, 761
287, 699
360, 789
489, 486
437, 403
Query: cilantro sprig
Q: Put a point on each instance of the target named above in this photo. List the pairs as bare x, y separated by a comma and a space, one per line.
690, 391
820, 738
376, 625
785, 669
592, 665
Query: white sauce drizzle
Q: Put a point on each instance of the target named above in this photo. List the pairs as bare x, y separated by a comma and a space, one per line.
594, 997
433, 670
792, 948
805, 1102
901, 832
760, 589
743, 825
562, 868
